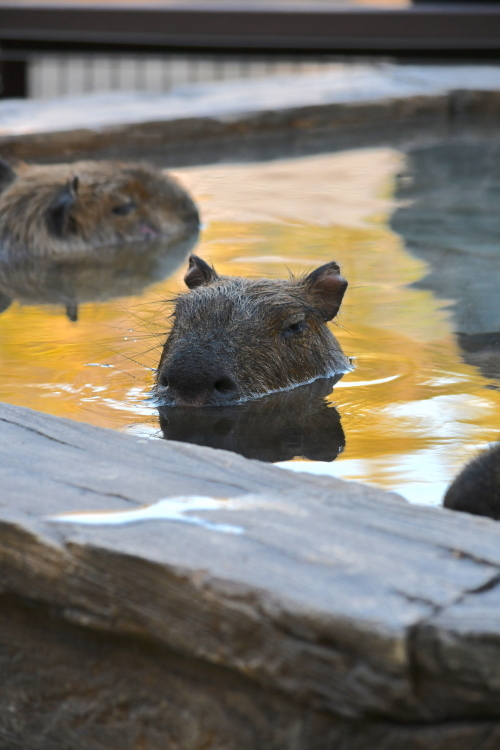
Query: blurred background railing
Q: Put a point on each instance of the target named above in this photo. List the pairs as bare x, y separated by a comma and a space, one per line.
52, 49
69, 75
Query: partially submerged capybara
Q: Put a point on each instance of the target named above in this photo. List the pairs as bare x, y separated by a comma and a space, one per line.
476, 489
64, 209
235, 339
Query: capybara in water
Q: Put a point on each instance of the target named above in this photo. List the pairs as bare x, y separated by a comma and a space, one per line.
476, 489
235, 339
64, 209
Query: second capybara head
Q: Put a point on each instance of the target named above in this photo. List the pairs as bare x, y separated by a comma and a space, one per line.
235, 339
476, 489
63, 209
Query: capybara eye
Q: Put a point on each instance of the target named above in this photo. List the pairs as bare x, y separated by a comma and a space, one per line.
124, 209
297, 327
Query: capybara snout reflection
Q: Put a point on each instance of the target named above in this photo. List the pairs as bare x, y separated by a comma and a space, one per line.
235, 339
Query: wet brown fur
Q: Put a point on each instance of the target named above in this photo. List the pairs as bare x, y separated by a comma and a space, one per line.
65, 209
238, 334
476, 489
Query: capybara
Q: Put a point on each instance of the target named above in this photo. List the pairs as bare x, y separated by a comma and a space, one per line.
278, 427
64, 209
476, 489
235, 339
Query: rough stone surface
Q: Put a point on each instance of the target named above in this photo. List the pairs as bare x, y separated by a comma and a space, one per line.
64, 688
341, 616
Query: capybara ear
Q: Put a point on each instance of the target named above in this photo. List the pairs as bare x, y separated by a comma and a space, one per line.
72, 312
58, 211
5, 302
327, 288
199, 273
7, 175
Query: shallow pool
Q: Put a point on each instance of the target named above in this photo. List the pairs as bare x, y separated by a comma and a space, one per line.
424, 396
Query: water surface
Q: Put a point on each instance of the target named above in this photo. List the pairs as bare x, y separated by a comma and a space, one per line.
419, 403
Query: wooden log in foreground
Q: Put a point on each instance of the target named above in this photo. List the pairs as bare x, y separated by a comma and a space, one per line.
301, 613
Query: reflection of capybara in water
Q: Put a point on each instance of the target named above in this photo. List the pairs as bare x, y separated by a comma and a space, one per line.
277, 427
477, 488
116, 271
235, 339
65, 209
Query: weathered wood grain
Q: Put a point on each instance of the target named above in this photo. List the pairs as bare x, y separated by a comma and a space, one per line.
344, 598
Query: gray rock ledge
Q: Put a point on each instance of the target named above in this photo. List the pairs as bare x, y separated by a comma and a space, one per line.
353, 105
340, 616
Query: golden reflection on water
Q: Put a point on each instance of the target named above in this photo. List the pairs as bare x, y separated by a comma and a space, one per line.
410, 431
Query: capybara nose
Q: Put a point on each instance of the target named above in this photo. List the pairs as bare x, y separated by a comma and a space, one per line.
225, 387
198, 389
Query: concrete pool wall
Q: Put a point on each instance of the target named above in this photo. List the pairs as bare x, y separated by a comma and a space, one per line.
361, 105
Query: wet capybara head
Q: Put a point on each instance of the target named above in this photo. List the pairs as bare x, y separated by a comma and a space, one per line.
62, 209
235, 339
476, 489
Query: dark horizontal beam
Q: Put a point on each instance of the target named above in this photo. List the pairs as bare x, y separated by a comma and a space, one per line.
245, 26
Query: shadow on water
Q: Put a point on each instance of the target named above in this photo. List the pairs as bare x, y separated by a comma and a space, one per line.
450, 218
107, 273
299, 423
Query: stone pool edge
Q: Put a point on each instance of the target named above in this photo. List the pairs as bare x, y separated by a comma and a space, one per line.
363, 106
374, 618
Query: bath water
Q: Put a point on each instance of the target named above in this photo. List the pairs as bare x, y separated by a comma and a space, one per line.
418, 405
